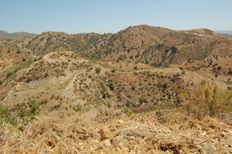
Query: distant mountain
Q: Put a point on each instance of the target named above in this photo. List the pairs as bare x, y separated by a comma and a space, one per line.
4, 32
225, 32
22, 34
16, 33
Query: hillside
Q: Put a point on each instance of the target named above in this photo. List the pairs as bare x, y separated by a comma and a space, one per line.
142, 90
134, 43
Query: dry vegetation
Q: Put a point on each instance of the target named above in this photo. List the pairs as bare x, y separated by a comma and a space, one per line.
146, 94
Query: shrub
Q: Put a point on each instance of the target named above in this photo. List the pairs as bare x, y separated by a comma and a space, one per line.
160, 117
142, 100
127, 111
105, 94
113, 70
24, 112
18, 51
133, 87
110, 84
17, 67
6, 116
230, 71
120, 58
46, 74
207, 100
98, 70
77, 108
33, 105
29, 109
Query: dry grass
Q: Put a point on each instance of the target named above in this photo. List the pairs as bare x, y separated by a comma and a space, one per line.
103, 130
208, 100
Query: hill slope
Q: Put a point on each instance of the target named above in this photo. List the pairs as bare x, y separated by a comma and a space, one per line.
132, 43
142, 90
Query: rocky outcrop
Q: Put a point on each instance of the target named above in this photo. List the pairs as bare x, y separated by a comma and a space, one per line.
159, 55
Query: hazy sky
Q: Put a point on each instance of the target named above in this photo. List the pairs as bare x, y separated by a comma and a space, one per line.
75, 16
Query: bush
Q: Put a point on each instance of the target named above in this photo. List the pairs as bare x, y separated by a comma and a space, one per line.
6, 117
142, 100
24, 112
10, 72
98, 70
113, 70
29, 109
207, 100
110, 84
77, 108
127, 111
33, 105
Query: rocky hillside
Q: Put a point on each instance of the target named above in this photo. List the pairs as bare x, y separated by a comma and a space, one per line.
87, 44
155, 46
132, 43
142, 90
135, 43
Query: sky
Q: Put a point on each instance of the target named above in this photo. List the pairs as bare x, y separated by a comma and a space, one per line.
104, 16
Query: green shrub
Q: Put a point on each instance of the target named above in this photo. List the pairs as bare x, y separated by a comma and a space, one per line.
29, 109
127, 111
6, 117
25, 112
33, 105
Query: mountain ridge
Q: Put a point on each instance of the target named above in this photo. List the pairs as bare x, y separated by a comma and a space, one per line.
5, 33
140, 25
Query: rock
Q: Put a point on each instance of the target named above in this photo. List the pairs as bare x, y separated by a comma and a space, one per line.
105, 133
107, 142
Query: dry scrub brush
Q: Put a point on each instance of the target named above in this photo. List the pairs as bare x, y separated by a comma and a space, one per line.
207, 100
